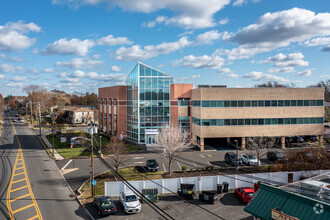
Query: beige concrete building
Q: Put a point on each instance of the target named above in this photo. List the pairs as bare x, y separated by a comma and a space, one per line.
250, 112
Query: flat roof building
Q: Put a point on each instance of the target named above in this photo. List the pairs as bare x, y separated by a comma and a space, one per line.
151, 101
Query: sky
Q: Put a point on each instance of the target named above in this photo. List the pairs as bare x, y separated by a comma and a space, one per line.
82, 45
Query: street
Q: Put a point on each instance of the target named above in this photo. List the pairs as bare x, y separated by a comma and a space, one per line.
31, 185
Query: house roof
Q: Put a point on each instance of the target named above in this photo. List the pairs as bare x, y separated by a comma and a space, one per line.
299, 206
77, 109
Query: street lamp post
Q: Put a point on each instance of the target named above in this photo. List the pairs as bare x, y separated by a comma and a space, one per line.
90, 130
237, 161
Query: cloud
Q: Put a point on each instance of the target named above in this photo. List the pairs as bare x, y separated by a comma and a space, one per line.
189, 14
69, 47
225, 70
32, 70
2, 76
307, 72
224, 21
117, 78
326, 49
243, 2
318, 41
13, 35
136, 53
210, 62
15, 84
277, 29
290, 60
77, 74
80, 63
11, 59
110, 40
115, 68
152, 24
70, 80
259, 76
207, 37
48, 70
183, 79
6, 68
63, 74
232, 75
288, 69
20, 79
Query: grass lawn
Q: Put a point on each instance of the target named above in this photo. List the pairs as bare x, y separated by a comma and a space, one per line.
127, 173
78, 150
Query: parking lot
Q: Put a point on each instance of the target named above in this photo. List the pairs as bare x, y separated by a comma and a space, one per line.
228, 206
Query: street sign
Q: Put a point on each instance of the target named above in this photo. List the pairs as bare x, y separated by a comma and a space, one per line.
94, 182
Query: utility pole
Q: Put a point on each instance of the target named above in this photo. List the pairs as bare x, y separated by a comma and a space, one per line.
237, 161
31, 114
92, 161
39, 120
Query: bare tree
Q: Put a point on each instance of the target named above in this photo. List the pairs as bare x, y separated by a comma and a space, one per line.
259, 143
174, 140
117, 150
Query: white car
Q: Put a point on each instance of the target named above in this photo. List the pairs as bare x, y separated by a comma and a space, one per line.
250, 160
130, 202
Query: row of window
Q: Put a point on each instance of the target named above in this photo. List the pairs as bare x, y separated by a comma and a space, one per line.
257, 103
256, 121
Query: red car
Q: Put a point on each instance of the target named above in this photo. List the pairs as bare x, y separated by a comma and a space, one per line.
244, 194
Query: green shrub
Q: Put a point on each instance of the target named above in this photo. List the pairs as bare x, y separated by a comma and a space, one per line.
191, 169
184, 168
212, 167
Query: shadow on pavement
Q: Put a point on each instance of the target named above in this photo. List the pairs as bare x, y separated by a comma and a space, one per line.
230, 199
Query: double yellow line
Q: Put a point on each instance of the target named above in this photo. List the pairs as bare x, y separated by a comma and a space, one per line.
20, 158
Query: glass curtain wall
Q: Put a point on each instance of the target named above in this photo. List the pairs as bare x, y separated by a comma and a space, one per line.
148, 101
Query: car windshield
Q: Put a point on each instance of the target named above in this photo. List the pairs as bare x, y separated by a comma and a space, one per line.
106, 203
152, 163
252, 157
233, 156
249, 194
279, 155
130, 198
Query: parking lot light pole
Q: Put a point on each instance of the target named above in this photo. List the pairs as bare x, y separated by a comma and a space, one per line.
237, 166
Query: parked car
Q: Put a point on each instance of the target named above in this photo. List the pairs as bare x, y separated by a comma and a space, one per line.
104, 205
250, 160
152, 165
232, 159
275, 156
244, 194
130, 202
14, 120
21, 120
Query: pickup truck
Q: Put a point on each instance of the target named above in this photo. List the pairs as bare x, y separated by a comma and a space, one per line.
130, 202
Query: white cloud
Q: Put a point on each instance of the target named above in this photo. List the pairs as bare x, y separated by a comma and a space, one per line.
136, 53
259, 76
48, 70
318, 41
32, 70
190, 14
186, 33
2, 76
240, 2
207, 37
70, 80
183, 79
326, 49
115, 68
63, 74
288, 69
110, 40
278, 29
6, 68
118, 78
69, 47
290, 60
232, 75
13, 35
11, 59
297, 81
80, 63
77, 74
20, 79
15, 84
225, 70
307, 72
325, 76
224, 21
210, 62
92, 75
152, 24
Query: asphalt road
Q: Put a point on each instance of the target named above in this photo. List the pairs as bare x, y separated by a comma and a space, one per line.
31, 185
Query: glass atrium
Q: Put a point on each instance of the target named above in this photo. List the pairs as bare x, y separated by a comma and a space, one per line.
148, 102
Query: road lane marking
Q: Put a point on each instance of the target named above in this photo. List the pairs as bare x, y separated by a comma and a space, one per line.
137, 158
202, 156
17, 181
18, 188
34, 217
25, 207
20, 197
164, 167
209, 155
195, 165
19, 157
17, 174
138, 162
179, 166
209, 163
66, 164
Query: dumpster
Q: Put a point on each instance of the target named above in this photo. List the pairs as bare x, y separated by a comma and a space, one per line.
219, 188
225, 187
187, 191
209, 196
151, 194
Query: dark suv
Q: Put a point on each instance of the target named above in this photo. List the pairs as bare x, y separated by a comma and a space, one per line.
152, 165
232, 159
275, 156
